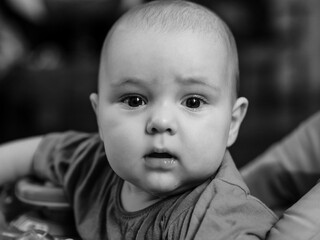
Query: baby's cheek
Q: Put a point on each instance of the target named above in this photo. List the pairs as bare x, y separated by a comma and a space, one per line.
206, 153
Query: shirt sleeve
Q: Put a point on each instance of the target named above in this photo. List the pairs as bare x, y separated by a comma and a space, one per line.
65, 158
226, 210
232, 217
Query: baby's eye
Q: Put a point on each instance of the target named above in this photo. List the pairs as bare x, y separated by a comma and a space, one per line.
194, 102
133, 101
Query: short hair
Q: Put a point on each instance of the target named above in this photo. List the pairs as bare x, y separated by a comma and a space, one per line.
168, 15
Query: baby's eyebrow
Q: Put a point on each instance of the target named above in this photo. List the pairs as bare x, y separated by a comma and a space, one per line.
191, 81
127, 81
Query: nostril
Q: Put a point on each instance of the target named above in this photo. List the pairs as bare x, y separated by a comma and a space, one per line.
155, 130
169, 130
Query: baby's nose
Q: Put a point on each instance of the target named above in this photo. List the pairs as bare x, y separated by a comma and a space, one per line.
161, 121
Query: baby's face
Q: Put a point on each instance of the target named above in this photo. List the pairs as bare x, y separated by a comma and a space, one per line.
164, 108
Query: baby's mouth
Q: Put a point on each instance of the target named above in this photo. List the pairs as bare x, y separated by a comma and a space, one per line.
160, 160
161, 155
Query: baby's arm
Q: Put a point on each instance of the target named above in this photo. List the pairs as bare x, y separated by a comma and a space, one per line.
301, 221
289, 169
16, 159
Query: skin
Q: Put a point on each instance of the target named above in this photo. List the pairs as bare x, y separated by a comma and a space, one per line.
165, 110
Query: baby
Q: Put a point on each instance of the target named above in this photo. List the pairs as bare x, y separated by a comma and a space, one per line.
167, 110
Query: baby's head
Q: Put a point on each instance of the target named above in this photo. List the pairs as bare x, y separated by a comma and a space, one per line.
167, 106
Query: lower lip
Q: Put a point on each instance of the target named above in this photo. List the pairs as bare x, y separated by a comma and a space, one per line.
160, 163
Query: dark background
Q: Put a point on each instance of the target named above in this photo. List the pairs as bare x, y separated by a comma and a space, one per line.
49, 61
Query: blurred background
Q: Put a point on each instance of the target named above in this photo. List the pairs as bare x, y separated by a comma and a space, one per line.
49, 55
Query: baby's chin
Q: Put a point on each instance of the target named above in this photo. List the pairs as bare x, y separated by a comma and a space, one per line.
171, 190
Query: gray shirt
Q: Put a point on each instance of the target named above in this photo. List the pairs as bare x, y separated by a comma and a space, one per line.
219, 208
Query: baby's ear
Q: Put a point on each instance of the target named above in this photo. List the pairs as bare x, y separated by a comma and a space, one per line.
94, 103
238, 113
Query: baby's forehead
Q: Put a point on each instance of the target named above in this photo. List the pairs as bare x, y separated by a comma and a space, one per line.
131, 36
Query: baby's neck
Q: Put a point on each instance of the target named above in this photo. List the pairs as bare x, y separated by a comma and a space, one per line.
134, 199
